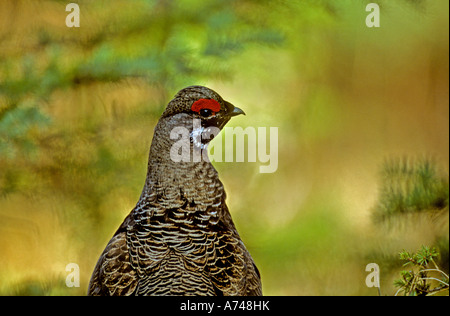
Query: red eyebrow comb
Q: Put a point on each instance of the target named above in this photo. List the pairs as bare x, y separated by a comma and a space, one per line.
201, 104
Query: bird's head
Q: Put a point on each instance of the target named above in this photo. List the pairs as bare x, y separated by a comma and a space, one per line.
204, 104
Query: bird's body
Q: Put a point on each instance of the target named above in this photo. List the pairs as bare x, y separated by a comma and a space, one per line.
180, 238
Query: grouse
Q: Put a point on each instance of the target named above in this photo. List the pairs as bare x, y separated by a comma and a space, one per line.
180, 238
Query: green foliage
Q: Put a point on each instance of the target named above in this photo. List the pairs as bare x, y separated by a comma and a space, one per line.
410, 186
16, 130
421, 258
417, 281
414, 193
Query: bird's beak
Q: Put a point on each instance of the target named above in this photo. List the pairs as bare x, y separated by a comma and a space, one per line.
233, 110
237, 111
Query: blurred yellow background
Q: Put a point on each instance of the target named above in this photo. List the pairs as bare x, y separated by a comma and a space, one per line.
78, 107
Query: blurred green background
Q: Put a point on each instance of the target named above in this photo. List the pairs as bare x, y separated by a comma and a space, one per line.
362, 116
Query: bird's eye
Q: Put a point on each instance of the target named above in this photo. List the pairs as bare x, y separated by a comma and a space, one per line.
206, 107
206, 112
